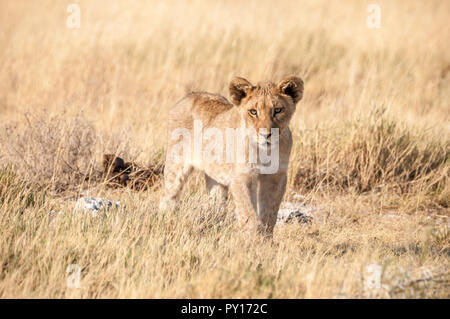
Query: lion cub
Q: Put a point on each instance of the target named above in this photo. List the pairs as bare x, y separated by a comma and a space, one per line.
243, 147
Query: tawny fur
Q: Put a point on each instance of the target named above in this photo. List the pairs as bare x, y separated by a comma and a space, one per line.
257, 196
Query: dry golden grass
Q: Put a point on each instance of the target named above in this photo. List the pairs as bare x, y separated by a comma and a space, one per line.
372, 147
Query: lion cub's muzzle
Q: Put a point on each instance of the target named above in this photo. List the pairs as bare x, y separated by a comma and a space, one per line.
267, 138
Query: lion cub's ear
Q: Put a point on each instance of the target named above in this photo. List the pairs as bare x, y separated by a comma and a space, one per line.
292, 86
239, 88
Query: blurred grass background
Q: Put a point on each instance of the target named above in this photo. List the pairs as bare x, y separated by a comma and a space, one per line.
372, 138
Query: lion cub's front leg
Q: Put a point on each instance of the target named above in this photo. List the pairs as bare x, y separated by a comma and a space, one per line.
270, 193
243, 188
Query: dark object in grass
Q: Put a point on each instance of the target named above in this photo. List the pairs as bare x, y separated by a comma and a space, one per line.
119, 173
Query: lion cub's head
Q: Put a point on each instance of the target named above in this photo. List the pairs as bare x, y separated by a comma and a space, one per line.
267, 105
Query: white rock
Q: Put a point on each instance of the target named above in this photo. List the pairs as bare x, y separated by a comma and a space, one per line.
392, 216
289, 214
54, 214
93, 205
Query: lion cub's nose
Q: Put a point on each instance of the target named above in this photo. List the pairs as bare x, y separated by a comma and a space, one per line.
266, 136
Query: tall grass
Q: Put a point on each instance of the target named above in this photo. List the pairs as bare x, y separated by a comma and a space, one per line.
373, 153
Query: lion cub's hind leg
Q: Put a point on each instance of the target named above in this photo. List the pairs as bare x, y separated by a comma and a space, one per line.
175, 175
217, 192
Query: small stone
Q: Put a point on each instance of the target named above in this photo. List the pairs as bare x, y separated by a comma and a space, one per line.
93, 205
288, 214
392, 216
54, 213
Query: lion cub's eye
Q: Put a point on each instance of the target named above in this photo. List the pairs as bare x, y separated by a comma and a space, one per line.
253, 112
278, 110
